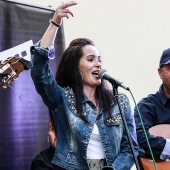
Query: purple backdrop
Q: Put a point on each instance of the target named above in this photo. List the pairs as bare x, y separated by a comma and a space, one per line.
23, 115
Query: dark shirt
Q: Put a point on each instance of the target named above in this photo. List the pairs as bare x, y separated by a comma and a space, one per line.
43, 160
154, 110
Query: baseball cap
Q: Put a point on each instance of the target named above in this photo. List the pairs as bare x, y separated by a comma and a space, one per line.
165, 58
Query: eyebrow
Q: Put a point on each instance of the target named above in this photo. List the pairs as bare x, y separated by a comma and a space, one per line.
93, 56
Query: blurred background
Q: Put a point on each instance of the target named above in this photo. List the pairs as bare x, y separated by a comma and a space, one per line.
130, 35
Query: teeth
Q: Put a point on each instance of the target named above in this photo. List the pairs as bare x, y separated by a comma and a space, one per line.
95, 72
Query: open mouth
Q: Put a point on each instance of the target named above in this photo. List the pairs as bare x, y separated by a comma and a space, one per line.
96, 73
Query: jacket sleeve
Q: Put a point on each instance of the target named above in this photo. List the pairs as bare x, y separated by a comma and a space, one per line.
43, 78
157, 143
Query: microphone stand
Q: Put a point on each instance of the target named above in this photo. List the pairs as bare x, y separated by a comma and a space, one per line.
116, 95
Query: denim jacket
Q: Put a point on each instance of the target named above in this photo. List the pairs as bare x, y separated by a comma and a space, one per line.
73, 133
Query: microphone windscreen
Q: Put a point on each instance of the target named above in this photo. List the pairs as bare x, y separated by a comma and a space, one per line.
101, 72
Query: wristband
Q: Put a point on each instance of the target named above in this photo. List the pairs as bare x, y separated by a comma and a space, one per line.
51, 21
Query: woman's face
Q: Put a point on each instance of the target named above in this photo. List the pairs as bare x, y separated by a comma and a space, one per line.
90, 65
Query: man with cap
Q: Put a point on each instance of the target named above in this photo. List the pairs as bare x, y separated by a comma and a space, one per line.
155, 110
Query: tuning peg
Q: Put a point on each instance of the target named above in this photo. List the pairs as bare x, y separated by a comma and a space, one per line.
4, 87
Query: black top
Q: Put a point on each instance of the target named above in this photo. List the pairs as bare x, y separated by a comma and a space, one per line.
43, 160
154, 110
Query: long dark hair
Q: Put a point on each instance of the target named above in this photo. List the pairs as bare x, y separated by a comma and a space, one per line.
68, 74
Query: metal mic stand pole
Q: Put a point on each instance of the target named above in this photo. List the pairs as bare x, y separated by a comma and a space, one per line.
116, 95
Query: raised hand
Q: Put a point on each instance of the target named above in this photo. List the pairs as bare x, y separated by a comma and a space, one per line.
63, 11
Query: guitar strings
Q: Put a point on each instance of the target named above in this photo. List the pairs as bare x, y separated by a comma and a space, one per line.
10, 86
16, 61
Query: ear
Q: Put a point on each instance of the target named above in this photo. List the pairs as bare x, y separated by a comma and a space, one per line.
81, 75
160, 72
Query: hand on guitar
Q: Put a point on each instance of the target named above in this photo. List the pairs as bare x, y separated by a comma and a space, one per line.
11, 68
147, 162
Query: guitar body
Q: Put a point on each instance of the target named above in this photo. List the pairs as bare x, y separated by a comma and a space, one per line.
147, 162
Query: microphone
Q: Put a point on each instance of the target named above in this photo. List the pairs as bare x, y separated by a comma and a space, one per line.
104, 75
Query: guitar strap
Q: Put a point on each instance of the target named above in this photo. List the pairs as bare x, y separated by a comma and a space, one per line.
27, 64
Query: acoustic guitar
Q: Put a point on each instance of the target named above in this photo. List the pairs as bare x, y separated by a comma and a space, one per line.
11, 68
147, 162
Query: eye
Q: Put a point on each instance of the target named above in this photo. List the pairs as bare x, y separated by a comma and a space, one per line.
90, 58
100, 60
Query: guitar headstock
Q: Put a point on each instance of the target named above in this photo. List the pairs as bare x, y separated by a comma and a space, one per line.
11, 68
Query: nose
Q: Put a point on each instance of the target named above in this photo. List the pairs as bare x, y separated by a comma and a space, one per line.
98, 64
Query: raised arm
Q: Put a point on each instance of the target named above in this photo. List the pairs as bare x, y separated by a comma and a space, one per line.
41, 74
61, 12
